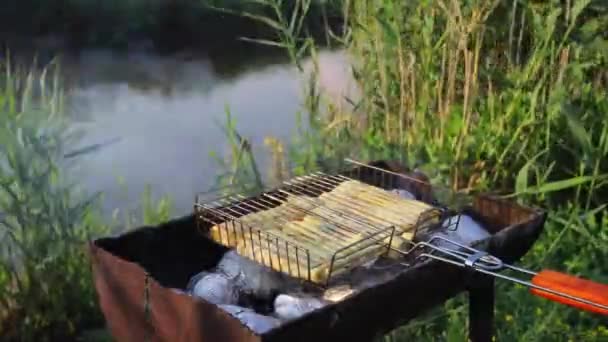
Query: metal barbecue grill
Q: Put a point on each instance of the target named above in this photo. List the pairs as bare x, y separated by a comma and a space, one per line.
316, 228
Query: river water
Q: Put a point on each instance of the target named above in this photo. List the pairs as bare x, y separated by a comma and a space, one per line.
162, 114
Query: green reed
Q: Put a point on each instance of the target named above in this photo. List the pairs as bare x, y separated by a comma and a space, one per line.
45, 280
46, 221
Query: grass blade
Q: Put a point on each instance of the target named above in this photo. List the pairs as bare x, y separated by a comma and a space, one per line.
521, 183
558, 185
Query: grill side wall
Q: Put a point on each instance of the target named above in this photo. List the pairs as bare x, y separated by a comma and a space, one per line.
173, 315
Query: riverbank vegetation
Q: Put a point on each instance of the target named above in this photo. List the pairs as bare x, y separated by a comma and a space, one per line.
46, 289
507, 96
162, 24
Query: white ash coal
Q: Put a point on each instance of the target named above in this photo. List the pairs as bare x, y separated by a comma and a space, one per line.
257, 322
215, 288
251, 277
262, 299
239, 281
404, 194
249, 292
466, 232
291, 306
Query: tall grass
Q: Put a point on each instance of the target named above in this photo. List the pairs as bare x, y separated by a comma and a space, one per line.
502, 96
44, 276
46, 289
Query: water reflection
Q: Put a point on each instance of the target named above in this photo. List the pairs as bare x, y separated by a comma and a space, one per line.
164, 109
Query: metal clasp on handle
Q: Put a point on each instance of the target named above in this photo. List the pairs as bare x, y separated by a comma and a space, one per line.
484, 262
472, 259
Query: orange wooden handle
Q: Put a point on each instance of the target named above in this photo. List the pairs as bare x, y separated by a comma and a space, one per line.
573, 286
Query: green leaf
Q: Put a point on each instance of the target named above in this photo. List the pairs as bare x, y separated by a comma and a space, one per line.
263, 42
271, 23
389, 31
577, 8
580, 134
302, 50
591, 27
455, 122
521, 183
559, 185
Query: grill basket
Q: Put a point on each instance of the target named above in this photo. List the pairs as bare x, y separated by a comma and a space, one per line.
337, 222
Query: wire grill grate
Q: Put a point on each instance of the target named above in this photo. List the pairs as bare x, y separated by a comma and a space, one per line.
317, 226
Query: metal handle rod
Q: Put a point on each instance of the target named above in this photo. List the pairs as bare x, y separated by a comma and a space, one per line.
485, 270
518, 281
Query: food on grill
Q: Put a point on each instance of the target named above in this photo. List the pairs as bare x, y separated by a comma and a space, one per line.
276, 258
232, 232
249, 276
400, 243
292, 231
260, 324
374, 204
282, 258
375, 195
288, 307
338, 293
215, 288
224, 233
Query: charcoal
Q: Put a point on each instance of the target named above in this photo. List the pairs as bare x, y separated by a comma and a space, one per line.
404, 194
381, 271
215, 288
289, 307
467, 232
252, 277
195, 279
262, 305
231, 264
260, 324
234, 310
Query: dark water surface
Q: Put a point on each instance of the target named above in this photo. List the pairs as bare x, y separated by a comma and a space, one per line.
161, 114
